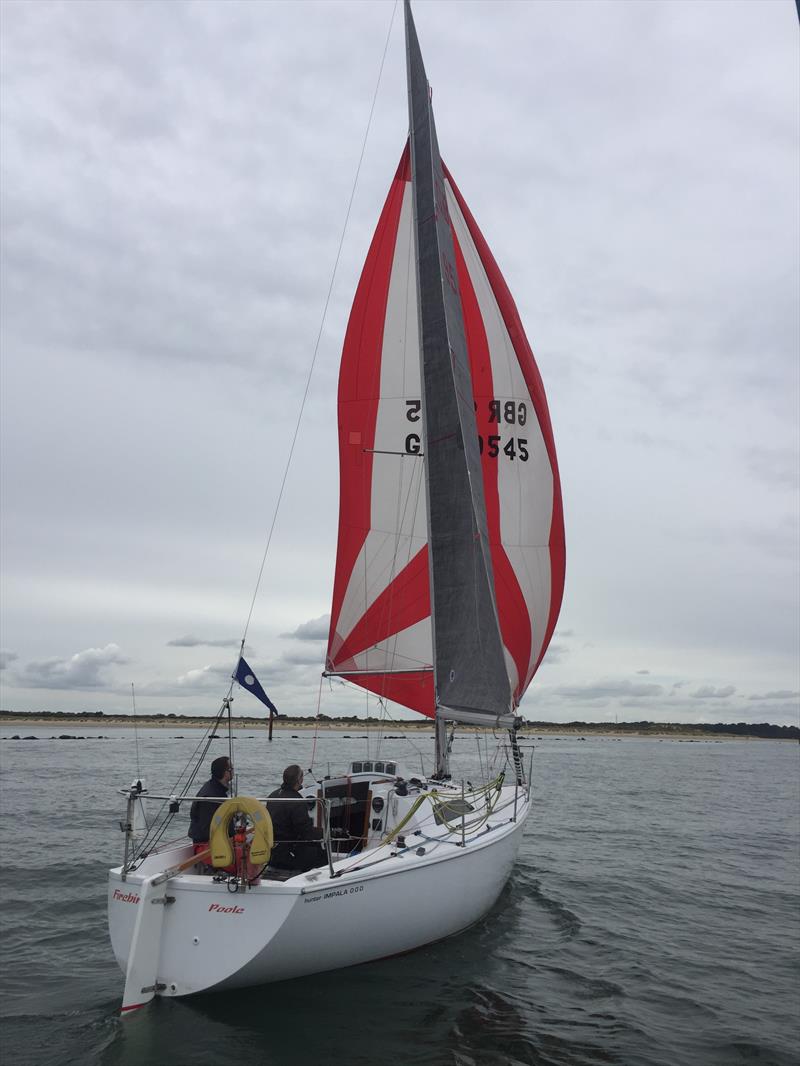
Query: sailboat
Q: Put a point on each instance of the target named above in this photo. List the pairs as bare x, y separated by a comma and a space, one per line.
448, 584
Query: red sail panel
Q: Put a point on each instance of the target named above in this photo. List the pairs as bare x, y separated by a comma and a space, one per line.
414, 691
380, 634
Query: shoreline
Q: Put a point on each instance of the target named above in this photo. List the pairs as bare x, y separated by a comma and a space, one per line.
528, 732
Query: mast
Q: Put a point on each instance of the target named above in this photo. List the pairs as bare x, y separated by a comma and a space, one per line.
470, 677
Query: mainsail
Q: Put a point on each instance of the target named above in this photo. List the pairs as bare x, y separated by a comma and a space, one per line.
447, 461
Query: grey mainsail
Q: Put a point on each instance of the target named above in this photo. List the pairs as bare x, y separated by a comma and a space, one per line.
469, 665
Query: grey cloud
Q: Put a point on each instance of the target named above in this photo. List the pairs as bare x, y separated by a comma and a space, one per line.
642, 671
198, 642
7, 656
773, 713
303, 658
643, 439
664, 708
205, 679
81, 671
113, 259
645, 705
556, 653
315, 629
708, 692
780, 694
779, 538
607, 690
774, 466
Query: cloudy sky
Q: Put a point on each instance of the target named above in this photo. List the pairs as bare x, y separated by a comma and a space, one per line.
175, 179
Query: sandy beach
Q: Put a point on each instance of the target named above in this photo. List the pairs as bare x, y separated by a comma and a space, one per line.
61, 723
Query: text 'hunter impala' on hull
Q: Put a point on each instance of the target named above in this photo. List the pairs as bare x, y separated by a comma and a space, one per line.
448, 584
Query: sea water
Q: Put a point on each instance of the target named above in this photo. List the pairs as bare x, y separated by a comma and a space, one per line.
652, 917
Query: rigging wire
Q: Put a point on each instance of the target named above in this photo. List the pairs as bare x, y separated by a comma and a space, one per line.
316, 726
319, 334
159, 826
480, 756
136, 733
366, 705
230, 745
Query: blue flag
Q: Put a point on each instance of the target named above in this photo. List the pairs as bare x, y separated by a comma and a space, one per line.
248, 680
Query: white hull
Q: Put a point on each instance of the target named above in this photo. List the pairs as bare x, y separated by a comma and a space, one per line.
394, 901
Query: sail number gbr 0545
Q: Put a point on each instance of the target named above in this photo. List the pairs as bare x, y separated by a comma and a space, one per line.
507, 412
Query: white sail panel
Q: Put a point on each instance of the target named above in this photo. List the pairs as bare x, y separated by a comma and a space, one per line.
407, 650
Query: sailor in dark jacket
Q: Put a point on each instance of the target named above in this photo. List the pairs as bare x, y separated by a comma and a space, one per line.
296, 836
202, 813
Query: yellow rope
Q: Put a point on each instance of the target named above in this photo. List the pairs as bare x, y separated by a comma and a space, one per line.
495, 785
415, 806
440, 803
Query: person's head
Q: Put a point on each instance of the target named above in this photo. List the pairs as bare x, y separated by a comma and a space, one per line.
222, 770
293, 777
